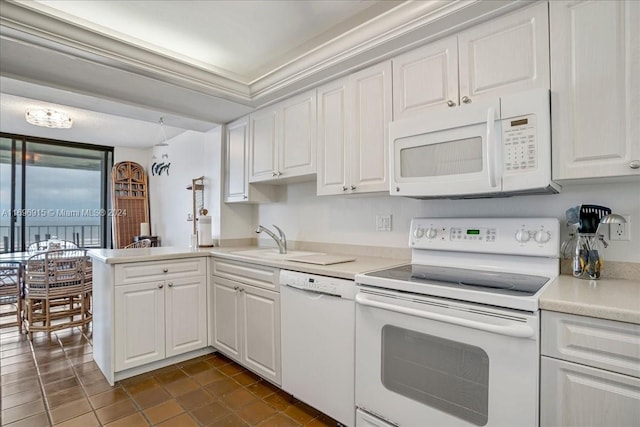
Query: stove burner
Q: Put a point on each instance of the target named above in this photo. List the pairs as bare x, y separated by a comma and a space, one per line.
496, 286
484, 281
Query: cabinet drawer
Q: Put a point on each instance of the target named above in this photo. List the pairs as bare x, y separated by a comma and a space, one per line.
601, 343
159, 270
577, 395
252, 274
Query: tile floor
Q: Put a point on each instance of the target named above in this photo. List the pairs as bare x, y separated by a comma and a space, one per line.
57, 383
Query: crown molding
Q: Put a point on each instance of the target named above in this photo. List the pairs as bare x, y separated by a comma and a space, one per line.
403, 27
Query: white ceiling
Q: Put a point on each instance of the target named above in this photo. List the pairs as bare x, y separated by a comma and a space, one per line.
118, 66
242, 40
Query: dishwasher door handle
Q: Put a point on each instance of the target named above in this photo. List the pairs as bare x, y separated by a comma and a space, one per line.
513, 330
313, 294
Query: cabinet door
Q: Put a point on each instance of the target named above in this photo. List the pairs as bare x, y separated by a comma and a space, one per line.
426, 79
297, 145
263, 150
226, 333
370, 115
261, 331
595, 78
139, 324
506, 55
186, 314
576, 395
236, 174
333, 138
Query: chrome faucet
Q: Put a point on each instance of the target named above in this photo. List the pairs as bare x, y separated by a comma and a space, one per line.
281, 241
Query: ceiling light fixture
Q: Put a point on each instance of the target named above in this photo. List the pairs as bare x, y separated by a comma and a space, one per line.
48, 118
160, 157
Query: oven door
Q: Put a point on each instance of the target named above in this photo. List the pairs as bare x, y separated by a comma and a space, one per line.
455, 153
425, 361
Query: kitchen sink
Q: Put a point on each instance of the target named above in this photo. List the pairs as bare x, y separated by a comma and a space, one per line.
273, 253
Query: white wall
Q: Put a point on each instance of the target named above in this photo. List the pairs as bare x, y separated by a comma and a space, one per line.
351, 220
192, 154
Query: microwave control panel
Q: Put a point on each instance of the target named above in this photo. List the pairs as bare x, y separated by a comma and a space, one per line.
519, 144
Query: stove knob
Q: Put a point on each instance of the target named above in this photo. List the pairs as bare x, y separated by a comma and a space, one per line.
431, 233
523, 236
418, 232
542, 236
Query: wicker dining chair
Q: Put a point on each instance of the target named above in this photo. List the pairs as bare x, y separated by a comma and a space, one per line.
58, 288
10, 298
143, 243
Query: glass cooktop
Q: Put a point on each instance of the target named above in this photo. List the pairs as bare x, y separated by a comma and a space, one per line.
486, 281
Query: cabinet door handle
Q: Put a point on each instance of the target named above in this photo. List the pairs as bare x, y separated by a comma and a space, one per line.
235, 288
160, 286
353, 187
245, 197
279, 173
274, 174
466, 99
171, 284
241, 289
634, 164
450, 103
165, 270
344, 188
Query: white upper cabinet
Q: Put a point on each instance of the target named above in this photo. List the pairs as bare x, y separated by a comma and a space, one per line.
237, 179
595, 82
353, 120
505, 55
282, 140
237, 187
333, 138
371, 112
426, 79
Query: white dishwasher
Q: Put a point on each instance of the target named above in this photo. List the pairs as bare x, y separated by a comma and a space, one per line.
318, 342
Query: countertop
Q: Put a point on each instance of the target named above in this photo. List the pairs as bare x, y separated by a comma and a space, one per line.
345, 270
121, 256
613, 299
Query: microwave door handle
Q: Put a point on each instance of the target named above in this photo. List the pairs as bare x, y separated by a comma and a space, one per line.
492, 149
512, 330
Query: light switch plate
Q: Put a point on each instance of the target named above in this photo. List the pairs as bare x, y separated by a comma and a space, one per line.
383, 222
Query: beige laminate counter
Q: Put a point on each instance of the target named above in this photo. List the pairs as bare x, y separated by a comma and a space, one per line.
345, 270
121, 256
613, 299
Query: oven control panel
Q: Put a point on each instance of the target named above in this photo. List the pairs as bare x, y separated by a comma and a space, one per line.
515, 236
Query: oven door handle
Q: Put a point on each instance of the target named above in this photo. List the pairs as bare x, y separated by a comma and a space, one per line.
513, 330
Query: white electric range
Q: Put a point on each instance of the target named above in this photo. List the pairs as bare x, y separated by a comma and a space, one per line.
452, 339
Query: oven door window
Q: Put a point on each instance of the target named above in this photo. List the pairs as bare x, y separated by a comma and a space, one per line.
446, 375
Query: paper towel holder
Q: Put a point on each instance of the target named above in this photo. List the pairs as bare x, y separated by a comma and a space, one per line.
199, 211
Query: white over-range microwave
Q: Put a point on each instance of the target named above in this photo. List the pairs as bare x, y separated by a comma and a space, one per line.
491, 148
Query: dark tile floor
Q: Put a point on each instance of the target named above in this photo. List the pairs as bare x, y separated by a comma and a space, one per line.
45, 383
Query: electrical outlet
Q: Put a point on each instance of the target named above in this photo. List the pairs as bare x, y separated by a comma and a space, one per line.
383, 222
620, 232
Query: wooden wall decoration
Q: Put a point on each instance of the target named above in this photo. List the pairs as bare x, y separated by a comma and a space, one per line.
130, 196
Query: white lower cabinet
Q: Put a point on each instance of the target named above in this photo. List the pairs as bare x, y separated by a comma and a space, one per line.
245, 318
148, 314
590, 372
155, 320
